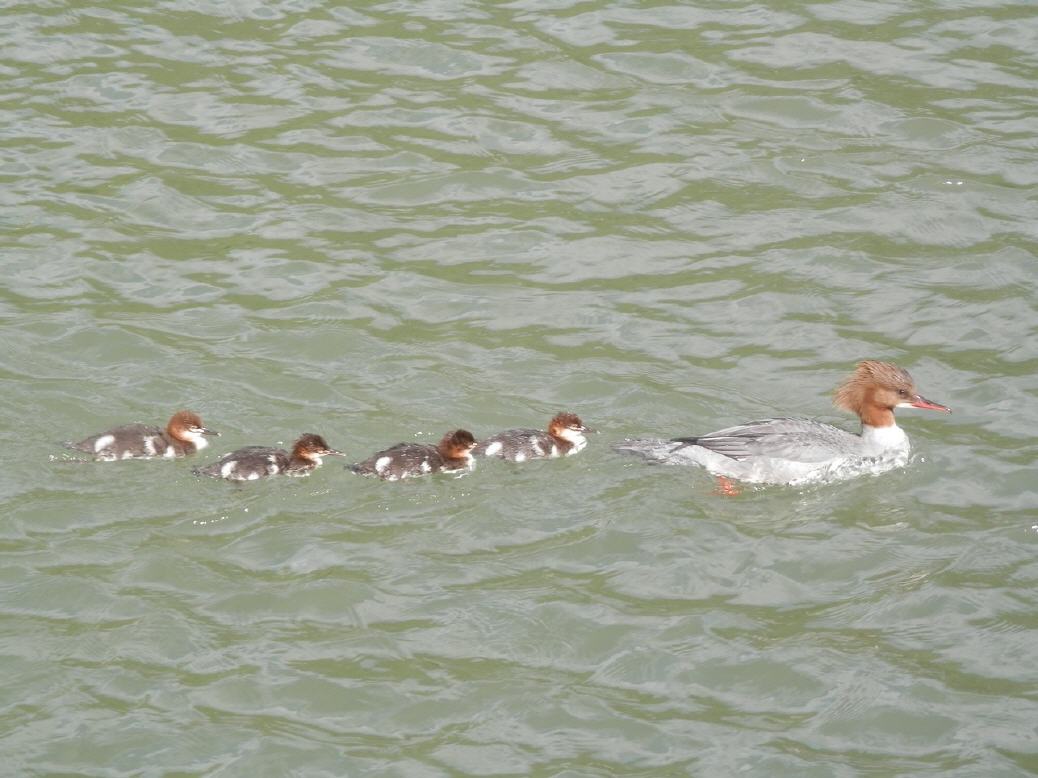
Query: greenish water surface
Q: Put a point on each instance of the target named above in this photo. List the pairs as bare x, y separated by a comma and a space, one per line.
380, 221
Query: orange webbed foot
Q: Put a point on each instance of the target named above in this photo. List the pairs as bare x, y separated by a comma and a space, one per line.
726, 488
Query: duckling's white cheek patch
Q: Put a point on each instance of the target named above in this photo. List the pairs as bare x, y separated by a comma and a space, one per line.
494, 448
200, 443
103, 442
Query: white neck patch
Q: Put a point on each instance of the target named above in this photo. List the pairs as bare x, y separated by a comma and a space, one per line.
884, 438
195, 438
576, 437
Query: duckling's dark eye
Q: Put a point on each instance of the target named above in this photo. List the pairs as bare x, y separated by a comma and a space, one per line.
902, 393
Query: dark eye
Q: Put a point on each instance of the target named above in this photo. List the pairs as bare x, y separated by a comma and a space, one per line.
902, 393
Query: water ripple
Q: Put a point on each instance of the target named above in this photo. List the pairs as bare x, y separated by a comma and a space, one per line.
385, 222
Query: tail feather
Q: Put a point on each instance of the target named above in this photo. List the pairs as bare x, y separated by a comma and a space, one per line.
72, 447
652, 449
676, 451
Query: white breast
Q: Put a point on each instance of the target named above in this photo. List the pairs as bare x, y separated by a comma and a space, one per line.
877, 440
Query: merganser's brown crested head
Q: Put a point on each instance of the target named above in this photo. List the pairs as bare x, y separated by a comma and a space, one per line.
875, 389
567, 426
312, 447
187, 426
456, 444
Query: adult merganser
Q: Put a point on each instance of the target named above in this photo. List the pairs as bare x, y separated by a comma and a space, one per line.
184, 434
453, 454
254, 462
565, 436
796, 450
